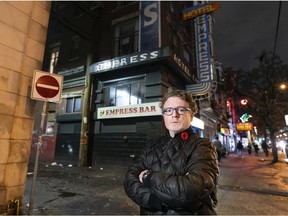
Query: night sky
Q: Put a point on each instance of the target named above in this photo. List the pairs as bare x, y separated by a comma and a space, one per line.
244, 28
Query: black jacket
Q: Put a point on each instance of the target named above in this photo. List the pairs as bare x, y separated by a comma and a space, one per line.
183, 178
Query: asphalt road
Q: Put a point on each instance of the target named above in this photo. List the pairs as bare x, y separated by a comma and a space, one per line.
248, 186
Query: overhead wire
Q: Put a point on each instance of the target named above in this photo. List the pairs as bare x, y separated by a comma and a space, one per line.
277, 28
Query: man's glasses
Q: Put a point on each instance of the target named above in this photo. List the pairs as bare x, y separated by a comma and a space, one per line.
179, 110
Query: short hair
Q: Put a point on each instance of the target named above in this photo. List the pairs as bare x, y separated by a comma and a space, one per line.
183, 96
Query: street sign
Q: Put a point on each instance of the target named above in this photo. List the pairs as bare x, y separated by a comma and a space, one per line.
46, 86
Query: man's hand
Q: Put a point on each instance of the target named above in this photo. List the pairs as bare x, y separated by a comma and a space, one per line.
143, 174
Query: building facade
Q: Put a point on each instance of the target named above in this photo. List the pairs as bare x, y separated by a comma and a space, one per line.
23, 30
118, 59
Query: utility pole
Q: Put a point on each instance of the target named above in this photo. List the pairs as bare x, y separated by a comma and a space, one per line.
85, 123
92, 10
86, 99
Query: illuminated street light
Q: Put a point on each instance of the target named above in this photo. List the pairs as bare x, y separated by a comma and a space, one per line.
244, 102
283, 86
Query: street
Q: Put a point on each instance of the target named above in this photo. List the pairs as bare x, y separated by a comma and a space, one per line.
248, 186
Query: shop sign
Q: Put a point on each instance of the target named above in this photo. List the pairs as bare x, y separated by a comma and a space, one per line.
244, 126
181, 64
202, 49
149, 25
192, 12
225, 131
244, 118
137, 110
123, 61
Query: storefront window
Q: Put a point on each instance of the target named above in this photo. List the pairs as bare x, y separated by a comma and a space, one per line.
124, 93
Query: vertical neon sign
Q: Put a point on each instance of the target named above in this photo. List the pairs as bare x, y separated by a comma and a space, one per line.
202, 48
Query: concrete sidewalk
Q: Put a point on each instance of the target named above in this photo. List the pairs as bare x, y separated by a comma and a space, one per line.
255, 173
99, 190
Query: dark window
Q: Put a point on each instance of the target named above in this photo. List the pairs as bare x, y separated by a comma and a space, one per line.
126, 36
75, 48
73, 105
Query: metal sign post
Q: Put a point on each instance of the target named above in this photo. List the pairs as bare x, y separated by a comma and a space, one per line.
46, 87
39, 145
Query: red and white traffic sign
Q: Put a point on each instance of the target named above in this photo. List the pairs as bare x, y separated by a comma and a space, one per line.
46, 86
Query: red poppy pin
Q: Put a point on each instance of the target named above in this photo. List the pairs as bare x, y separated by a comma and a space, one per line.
184, 135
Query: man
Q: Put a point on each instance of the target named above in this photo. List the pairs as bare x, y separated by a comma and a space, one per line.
239, 149
177, 174
264, 146
218, 147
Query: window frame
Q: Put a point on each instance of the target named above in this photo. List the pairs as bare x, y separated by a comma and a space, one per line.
74, 102
122, 32
117, 84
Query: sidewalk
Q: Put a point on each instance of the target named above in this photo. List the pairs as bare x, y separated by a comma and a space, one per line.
255, 173
99, 190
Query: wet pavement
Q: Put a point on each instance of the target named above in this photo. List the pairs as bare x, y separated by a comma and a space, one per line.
248, 186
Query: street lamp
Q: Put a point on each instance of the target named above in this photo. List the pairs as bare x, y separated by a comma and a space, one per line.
283, 86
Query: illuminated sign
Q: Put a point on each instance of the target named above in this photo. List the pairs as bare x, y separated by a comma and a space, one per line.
244, 126
190, 13
202, 48
123, 61
225, 131
244, 102
137, 110
244, 118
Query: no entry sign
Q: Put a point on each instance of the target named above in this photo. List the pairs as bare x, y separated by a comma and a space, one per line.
46, 86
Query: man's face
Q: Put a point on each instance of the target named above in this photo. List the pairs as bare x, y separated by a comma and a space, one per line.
176, 123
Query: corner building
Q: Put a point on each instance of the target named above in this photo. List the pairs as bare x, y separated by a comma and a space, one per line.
138, 51
23, 29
